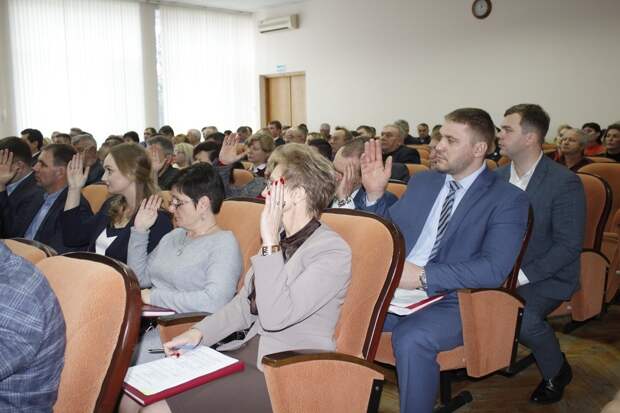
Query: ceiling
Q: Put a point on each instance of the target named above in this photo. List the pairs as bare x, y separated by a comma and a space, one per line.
240, 5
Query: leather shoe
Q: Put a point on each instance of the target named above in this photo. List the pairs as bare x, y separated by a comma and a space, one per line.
551, 391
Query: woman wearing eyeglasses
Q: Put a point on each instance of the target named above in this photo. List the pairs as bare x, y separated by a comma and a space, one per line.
196, 266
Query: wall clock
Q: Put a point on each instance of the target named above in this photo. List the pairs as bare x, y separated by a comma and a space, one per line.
481, 8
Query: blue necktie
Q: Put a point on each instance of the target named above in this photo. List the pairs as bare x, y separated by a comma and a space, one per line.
444, 217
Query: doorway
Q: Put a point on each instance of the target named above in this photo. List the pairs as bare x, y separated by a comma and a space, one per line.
284, 98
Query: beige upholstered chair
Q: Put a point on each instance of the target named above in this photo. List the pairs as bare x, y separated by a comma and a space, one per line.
398, 188
100, 300
33, 251
96, 195
242, 177
415, 168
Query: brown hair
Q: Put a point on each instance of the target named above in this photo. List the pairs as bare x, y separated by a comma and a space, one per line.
132, 161
264, 139
478, 120
305, 168
533, 119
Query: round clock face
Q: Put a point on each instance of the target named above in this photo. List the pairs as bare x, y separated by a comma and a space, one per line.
481, 8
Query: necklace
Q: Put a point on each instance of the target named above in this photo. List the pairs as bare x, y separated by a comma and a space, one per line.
185, 241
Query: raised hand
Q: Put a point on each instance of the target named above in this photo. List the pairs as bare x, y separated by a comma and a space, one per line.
345, 186
7, 172
271, 217
76, 173
228, 153
147, 213
157, 161
375, 176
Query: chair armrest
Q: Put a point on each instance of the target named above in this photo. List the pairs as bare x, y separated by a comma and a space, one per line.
171, 326
588, 301
317, 381
491, 320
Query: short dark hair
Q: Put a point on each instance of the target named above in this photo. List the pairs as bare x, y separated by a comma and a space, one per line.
348, 136
478, 120
615, 126
34, 135
61, 153
592, 125
64, 136
20, 149
276, 123
323, 146
244, 129
132, 135
533, 118
151, 129
355, 148
113, 140
166, 130
212, 148
200, 180
216, 136
165, 144
368, 129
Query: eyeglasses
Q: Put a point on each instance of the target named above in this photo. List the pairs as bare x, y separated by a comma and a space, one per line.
175, 203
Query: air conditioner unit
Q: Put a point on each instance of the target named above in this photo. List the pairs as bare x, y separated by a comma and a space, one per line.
278, 23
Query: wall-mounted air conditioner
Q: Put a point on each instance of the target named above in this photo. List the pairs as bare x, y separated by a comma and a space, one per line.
278, 23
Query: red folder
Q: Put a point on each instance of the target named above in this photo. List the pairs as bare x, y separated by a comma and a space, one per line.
172, 391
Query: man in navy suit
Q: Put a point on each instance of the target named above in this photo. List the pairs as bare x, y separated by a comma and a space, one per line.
463, 228
550, 268
350, 193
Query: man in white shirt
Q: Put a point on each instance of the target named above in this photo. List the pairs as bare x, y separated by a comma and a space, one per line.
550, 268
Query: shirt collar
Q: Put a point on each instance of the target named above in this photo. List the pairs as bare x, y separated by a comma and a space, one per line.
11, 187
469, 179
54, 195
528, 174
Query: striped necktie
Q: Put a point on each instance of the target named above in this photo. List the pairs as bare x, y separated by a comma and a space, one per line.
444, 218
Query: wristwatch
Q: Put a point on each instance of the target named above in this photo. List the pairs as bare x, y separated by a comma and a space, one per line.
423, 278
270, 249
343, 202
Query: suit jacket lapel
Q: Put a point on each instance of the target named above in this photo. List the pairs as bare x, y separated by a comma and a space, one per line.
423, 204
477, 189
52, 213
538, 176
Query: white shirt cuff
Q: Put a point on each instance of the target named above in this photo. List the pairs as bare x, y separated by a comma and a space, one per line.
522, 278
370, 203
349, 205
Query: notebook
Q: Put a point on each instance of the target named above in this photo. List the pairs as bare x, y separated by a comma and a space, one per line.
149, 310
407, 302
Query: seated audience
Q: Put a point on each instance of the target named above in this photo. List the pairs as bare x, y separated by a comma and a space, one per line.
463, 228
130, 180
557, 140
340, 137
75, 132
572, 145
34, 138
149, 132
41, 219
227, 161
292, 295
208, 131
193, 137
207, 152
87, 146
612, 142
549, 271
350, 193
63, 138
32, 342
321, 146
180, 138
365, 131
392, 145
113, 140
275, 128
161, 152
131, 137
595, 146
259, 147
325, 130
244, 133
167, 132
295, 135
404, 125
423, 136
18, 188
183, 154
217, 137
195, 267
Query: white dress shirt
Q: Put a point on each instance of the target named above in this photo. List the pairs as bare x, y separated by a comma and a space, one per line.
522, 182
350, 204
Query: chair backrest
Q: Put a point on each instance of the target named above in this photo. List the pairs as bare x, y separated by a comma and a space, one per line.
242, 217
33, 251
415, 168
242, 177
96, 195
601, 159
423, 152
398, 188
425, 162
610, 172
100, 301
377, 261
598, 205
510, 284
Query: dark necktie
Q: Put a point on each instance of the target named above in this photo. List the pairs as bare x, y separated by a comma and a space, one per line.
444, 217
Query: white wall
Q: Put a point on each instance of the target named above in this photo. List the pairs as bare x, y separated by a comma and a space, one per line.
372, 61
7, 119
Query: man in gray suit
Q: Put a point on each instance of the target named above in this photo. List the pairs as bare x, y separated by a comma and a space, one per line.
550, 268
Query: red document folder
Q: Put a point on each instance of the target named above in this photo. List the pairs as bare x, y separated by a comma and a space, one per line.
172, 391
149, 310
414, 307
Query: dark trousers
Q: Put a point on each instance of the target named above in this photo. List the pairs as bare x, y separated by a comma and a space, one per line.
537, 334
416, 340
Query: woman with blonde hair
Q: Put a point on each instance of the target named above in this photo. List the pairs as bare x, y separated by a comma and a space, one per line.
127, 174
183, 153
292, 294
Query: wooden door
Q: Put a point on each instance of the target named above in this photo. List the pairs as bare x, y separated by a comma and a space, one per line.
285, 99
